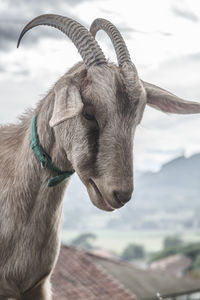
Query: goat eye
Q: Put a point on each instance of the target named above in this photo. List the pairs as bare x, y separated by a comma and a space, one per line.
88, 116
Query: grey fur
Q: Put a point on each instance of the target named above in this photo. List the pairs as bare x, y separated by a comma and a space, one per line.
99, 150
30, 211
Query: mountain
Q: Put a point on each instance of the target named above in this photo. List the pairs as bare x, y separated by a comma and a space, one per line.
178, 172
169, 198
177, 179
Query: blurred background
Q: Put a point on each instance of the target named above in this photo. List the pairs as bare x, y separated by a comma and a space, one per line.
163, 216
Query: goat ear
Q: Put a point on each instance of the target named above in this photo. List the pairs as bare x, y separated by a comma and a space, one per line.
67, 104
165, 101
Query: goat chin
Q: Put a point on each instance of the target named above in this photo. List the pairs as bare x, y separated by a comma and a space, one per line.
97, 198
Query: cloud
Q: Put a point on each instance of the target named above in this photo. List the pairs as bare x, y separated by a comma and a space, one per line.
179, 73
193, 57
9, 34
13, 20
2, 69
46, 3
186, 14
161, 137
165, 33
127, 31
109, 12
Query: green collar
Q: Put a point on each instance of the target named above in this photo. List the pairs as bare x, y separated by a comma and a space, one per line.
44, 158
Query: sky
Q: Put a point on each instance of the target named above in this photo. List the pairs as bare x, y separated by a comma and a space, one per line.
162, 38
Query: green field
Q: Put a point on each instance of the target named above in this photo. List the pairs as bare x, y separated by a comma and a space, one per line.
117, 240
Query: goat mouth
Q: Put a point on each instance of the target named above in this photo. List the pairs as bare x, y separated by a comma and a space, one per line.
100, 201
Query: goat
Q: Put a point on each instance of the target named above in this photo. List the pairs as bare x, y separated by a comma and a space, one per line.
86, 124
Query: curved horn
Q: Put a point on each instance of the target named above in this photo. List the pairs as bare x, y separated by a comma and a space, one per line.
79, 35
116, 38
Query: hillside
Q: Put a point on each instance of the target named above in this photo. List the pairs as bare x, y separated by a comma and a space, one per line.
177, 183
161, 200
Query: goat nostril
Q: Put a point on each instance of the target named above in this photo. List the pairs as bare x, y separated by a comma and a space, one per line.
122, 197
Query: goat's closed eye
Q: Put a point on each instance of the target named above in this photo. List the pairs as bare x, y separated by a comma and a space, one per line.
88, 115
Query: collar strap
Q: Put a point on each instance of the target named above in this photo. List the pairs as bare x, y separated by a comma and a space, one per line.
44, 158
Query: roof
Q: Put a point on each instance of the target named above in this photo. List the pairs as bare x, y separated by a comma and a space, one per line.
81, 275
77, 277
174, 264
147, 284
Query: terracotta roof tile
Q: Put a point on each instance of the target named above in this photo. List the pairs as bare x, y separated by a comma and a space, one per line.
77, 277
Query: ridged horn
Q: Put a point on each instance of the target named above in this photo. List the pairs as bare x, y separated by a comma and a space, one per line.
79, 35
116, 38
